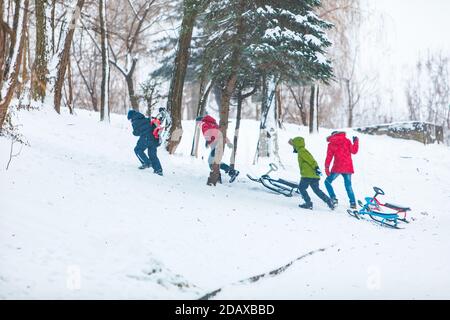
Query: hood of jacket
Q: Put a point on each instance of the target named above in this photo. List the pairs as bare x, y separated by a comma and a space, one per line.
134, 115
209, 119
337, 138
298, 142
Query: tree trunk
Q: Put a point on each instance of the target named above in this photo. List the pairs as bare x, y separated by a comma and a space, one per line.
7, 88
40, 65
448, 117
303, 111
274, 135
350, 104
268, 92
262, 146
300, 102
130, 84
240, 100
267, 145
65, 55
70, 82
194, 100
279, 108
13, 37
312, 109
204, 100
104, 95
23, 79
53, 25
317, 108
204, 90
225, 102
204, 94
3, 33
174, 100
131, 93
195, 141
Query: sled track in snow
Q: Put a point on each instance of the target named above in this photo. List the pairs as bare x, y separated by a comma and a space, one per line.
272, 273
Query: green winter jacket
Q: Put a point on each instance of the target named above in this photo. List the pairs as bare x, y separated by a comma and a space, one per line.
306, 161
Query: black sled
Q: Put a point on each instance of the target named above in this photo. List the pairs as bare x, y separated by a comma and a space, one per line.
279, 186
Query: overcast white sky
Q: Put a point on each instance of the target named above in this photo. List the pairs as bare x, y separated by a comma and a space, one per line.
396, 33
413, 26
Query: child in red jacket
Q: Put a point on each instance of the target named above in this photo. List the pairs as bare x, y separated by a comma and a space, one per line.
340, 150
211, 132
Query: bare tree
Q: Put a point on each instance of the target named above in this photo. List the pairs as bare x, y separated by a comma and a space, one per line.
129, 37
299, 102
240, 98
127, 25
13, 64
104, 96
64, 55
313, 109
39, 84
87, 76
353, 92
341, 96
428, 90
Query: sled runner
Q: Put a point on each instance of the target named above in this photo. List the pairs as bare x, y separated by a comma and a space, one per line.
165, 122
280, 186
376, 211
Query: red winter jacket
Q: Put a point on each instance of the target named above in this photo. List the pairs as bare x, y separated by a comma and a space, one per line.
340, 149
210, 129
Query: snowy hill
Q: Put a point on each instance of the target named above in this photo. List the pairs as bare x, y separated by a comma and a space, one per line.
79, 221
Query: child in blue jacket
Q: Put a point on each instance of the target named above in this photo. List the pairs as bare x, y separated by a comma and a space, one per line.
142, 127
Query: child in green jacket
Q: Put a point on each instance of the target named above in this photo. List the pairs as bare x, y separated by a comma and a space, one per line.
310, 174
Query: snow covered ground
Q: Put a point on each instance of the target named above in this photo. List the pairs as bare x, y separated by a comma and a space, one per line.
79, 221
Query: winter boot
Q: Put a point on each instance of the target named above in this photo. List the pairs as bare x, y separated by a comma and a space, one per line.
335, 202
214, 181
144, 166
353, 206
214, 175
233, 175
159, 172
330, 204
306, 205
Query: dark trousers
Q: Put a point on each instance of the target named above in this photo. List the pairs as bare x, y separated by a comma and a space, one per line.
147, 143
314, 184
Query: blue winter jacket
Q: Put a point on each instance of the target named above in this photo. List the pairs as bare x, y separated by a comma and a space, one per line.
141, 124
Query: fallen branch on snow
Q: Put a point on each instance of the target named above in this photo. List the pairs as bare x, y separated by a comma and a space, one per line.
11, 155
272, 273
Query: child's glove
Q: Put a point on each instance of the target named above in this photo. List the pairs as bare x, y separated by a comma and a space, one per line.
230, 145
327, 172
318, 172
355, 139
295, 151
